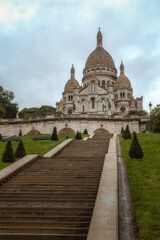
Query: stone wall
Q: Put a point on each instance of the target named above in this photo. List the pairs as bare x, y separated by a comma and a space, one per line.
45, 126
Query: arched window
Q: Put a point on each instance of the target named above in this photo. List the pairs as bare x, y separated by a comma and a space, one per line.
83, 108
69, 111
103, 107
71, 98
103, 84
121, 94
93, 102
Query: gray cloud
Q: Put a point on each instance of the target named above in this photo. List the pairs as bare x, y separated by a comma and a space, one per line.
37, 53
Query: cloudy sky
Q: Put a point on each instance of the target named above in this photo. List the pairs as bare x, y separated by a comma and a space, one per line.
41, 39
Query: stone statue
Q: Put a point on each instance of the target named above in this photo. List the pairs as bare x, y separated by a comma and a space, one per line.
74, 106
109, 107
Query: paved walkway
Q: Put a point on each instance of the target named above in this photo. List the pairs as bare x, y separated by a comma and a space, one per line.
54, 197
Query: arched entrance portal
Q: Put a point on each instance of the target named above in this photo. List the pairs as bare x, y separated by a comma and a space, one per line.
33, 132
67, 131
101, 131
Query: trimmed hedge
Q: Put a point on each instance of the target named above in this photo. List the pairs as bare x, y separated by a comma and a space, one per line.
41, 138
78, 136
54, 135
20, 151
8, 154
11, 139
20, 133
135, 150
85, 131
127, 134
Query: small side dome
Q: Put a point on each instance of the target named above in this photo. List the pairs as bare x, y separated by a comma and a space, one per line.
122, 81
72, 83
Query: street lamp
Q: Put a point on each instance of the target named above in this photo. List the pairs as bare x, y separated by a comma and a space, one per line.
150, 107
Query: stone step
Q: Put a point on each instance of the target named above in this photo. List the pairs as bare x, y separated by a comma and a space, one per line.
44, 230
33, 218
44, 224
47, 209
54, 197
26, 236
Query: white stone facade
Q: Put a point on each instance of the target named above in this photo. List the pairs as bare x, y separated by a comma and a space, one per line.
101, 92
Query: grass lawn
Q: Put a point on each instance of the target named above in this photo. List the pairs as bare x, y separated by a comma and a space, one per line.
144, 178
35, 147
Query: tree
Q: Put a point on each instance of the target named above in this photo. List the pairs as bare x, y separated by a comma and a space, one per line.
127, 134
2, 111
6, 98
138, 113
135, 150
154, 122
37, 112
54, 135
78, 136
8, 154
20, 151
85, 131
122, 130
20, 133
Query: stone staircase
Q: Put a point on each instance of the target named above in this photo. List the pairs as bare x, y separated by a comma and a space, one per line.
54, 197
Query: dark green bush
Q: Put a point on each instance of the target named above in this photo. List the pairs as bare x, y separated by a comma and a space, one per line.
135, 150
78, 136
54, 135
20, 151
122, 130
127, 134
85, 131
8, 154
20, 132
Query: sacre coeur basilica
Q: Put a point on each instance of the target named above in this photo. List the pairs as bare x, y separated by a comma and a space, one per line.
101, 103
101, 92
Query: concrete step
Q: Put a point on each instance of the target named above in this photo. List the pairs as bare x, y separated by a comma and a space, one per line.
44, 230
14, 236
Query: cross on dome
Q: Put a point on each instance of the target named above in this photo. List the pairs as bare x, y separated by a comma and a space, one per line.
122, 68
99, 38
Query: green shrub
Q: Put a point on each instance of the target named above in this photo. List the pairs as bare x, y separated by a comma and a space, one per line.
139, 113
20, 132
154, 122
20, 151
122, 130
127, 134
135, 150
54, 135
85, 131
78, 136
0, 137
67, 137
8, 154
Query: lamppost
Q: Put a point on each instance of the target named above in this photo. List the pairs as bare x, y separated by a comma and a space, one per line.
150, 107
